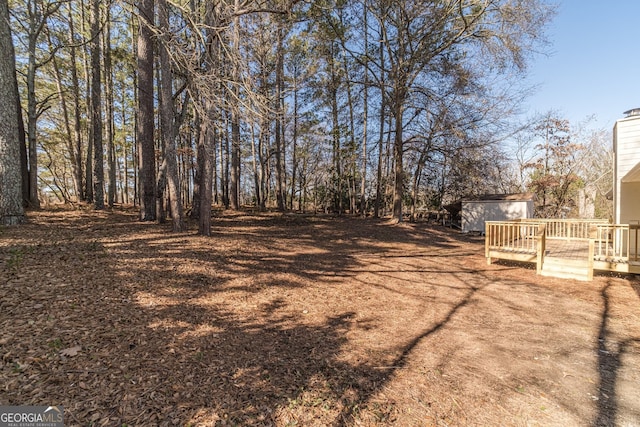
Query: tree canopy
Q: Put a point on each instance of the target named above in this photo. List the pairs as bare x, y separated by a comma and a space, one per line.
360, 106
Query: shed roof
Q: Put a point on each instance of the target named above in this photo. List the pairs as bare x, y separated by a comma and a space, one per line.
501, 197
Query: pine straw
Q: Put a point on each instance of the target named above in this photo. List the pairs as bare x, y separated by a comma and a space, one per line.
283, 320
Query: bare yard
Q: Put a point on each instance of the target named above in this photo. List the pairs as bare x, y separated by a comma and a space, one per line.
283, 320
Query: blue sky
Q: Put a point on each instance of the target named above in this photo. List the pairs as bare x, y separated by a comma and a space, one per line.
594, 65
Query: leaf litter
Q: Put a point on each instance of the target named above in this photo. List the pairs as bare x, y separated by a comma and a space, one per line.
290, 319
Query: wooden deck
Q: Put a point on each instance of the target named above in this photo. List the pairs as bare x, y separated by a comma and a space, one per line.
565, 248
568, 249
521, 251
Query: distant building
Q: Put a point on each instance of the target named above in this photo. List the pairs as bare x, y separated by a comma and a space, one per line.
494, 207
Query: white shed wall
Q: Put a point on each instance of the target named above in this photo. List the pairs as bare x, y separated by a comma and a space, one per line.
475, 213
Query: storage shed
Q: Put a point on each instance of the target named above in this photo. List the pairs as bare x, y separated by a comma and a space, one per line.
495, 207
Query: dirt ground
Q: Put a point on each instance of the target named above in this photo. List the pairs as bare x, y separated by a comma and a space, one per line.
289, 320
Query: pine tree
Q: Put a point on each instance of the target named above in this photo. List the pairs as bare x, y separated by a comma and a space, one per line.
11, 210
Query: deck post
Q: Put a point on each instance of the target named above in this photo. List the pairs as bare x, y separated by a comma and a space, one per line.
634, 228
542, 243
593, 235
487, 240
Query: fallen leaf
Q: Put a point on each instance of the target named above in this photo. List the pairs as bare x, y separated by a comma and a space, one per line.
71, 351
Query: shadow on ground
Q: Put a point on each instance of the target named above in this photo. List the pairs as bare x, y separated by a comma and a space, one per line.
258, 325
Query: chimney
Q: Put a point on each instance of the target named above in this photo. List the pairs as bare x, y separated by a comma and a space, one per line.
632, 112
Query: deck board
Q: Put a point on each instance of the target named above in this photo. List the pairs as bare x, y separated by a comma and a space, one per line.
569, 249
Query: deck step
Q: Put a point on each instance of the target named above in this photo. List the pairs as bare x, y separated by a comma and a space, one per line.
566, 268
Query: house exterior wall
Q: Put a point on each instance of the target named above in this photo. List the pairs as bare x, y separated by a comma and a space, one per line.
475, 213
630, 208
630, 203
626, 146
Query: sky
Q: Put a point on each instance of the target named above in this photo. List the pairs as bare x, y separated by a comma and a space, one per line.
594, 63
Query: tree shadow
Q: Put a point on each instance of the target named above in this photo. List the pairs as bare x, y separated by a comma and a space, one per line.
636, 287
244, 371
609, 364
178, 357
365, 395
251, 368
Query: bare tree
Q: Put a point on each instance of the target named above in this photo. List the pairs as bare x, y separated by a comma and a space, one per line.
279, 122
234, 98
167, 120
77, 116
33, 21
145, 126
109, 110
423, 42
95, 107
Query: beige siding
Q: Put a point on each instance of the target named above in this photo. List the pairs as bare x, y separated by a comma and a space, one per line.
627, 156
630, 203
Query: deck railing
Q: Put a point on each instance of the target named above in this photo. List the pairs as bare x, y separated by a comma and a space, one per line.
611, 243
617, 242
512, 236
567, 228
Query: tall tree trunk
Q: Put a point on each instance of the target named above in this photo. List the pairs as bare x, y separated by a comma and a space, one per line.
11, 209
32, 114
88, 176
263, 150
204, 218
280, 195
206, 143
335, 132
199, 170
145, 125
398, 154
388, 164
24, 162
218, 177
235, 160
124, 178
206, 178
256, 171
161, 171
263, 143
96, 107
77, 115
378, 205
302, 202
294, 148
399, 99
225, 159
167, 122
365, 116
414, 190
111, 150
352, 140
235, 111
